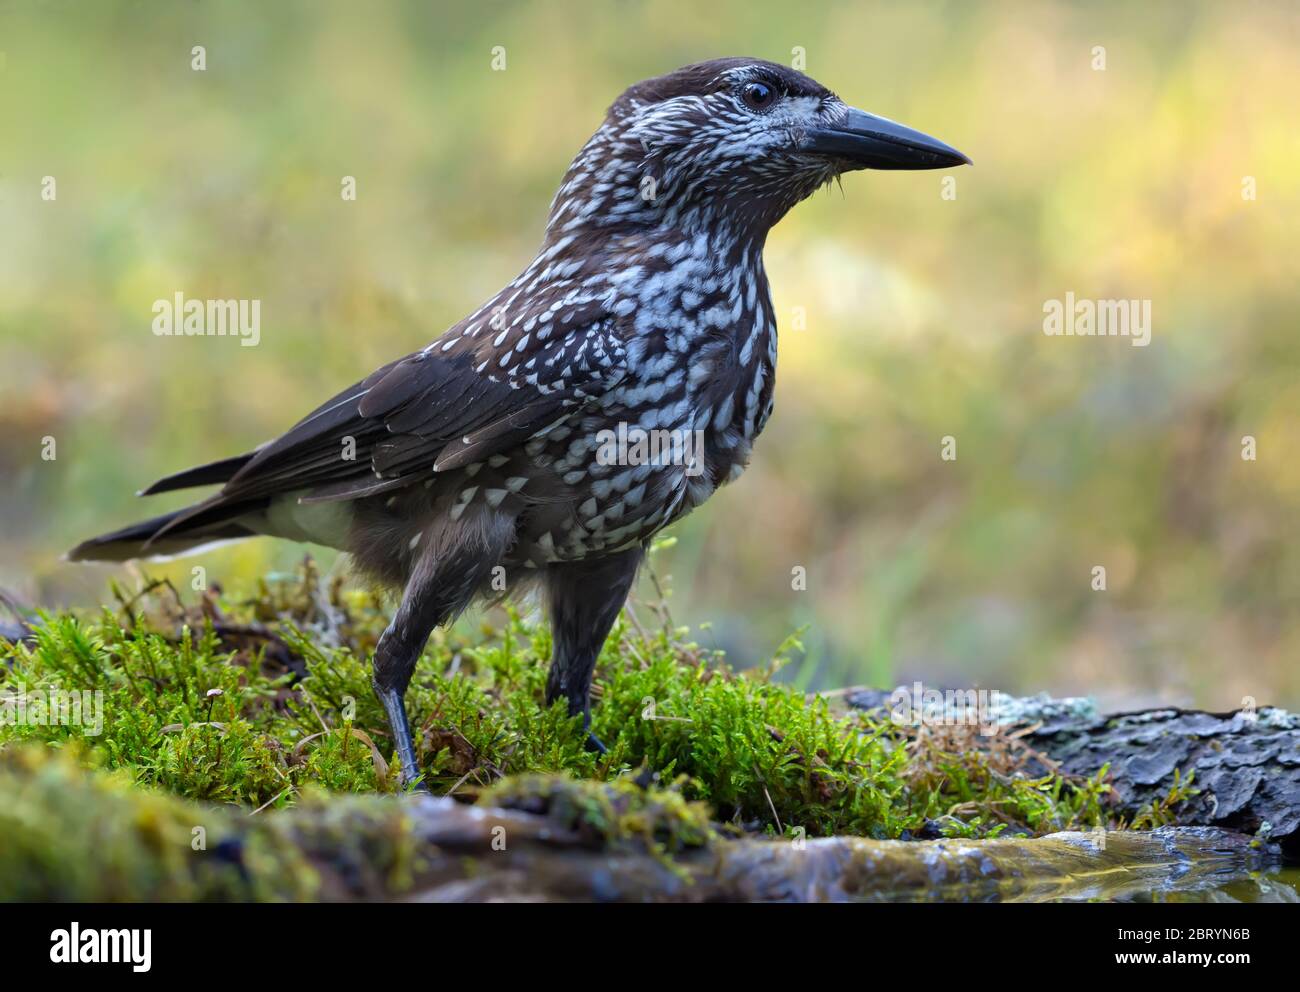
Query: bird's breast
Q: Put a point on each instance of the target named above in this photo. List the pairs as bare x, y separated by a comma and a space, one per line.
678, 426
694, 392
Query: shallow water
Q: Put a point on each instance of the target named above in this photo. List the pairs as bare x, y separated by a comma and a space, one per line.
1280, 885
1170, 864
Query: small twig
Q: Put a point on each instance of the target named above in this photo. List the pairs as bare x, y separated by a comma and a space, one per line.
10, 602
770, 805
271, 800
461, 781
661, 607
127, 604
312, 703
640, 631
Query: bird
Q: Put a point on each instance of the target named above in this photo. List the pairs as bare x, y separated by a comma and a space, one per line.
510, 448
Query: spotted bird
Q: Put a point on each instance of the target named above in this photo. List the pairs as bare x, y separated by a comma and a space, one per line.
645, 314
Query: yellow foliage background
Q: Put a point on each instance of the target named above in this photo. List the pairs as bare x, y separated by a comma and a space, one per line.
923, 315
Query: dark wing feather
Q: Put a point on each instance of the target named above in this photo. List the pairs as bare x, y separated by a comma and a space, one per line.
200, 475
433, 411
512, 429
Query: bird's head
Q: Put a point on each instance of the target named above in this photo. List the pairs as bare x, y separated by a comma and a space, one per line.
733, 141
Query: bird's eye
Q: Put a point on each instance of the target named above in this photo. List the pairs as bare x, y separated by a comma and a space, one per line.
758, 96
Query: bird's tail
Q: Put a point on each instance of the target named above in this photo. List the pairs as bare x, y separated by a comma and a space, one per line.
181, 532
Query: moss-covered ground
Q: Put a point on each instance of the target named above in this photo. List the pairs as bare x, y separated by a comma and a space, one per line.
262, 700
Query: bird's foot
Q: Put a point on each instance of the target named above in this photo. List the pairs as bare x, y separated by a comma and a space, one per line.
595, 744
395, 708
415, 785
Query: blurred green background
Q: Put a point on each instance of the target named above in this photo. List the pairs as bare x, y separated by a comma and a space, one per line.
923, 314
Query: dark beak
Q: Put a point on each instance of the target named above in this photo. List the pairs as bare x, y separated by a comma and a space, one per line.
866, 141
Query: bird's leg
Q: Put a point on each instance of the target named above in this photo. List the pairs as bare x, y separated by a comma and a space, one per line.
394, 663
444, 579
585, 597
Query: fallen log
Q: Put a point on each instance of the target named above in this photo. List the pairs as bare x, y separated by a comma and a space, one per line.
1246, 764
1065, 866
78, 835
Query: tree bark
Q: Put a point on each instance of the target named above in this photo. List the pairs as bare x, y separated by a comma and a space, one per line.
1247, 765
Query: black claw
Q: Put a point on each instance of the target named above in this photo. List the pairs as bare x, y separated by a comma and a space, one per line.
594, 743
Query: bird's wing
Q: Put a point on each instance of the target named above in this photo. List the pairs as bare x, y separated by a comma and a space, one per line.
462, 399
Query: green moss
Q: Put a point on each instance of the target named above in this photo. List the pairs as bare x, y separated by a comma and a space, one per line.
609, 813
76, 832
253, 703
1160, 812
72, 833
